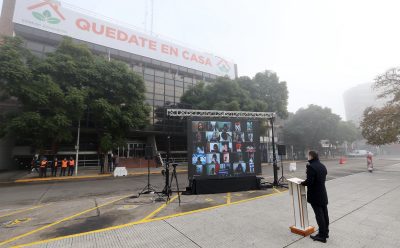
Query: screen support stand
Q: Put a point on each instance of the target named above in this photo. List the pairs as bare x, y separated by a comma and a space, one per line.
274, 162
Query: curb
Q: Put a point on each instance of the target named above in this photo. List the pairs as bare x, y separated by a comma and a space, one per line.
72, 178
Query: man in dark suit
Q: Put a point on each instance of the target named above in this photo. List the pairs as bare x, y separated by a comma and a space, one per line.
316, 195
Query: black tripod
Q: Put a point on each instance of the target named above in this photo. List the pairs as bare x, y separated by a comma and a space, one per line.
149, 188
167, 191
281, 181
169, 187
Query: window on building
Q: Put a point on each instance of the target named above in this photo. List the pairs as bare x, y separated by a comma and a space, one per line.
178, 83
49, 49
188, 80
147, 60
149, 96
159, 88
159, 97
169, 82
165, 64
160, 80
149, 86
169, 90
158, 103
33, 46
178, 91
159, 73
169, 99
148, 78
148, 71
138, 69
149, 102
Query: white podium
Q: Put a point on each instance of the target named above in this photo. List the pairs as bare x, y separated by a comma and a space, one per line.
298, 197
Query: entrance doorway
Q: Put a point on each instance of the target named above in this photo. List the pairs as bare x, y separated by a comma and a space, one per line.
134, 150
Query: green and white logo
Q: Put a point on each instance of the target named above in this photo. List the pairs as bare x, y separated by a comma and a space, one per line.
45, 16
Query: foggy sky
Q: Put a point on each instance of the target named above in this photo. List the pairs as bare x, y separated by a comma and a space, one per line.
321, 48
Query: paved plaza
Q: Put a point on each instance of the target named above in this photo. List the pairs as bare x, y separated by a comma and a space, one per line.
364, 212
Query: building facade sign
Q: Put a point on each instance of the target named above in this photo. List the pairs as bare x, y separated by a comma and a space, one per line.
51, 16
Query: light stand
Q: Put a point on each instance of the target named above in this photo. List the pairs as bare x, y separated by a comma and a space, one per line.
148, 189
274, 162
282, 180
167, 189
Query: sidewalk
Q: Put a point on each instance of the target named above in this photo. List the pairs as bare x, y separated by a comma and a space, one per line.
364, 212
83, 173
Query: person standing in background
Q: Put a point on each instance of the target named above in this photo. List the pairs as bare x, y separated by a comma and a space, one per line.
370, 165
71, 166
54, 167
43, 167
110, 161
64, 165
317, 195
102, 163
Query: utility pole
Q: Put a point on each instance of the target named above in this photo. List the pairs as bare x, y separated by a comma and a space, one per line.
77, 148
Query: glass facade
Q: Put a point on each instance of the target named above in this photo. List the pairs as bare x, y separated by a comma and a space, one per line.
165, 83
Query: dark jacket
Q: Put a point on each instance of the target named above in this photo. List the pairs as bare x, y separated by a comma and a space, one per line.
315, 182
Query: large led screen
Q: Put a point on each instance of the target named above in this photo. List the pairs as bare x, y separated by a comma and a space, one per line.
223, 148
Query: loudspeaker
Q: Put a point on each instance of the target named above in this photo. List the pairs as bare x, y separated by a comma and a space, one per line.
281, 150
148, 153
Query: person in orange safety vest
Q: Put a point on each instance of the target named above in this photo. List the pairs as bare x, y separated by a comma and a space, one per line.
71, 166
64, 165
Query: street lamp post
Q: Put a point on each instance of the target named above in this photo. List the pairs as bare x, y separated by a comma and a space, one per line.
77, 148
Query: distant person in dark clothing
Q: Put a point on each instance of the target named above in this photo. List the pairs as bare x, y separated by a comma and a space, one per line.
102, 163
110, 162
54, 167
316, 195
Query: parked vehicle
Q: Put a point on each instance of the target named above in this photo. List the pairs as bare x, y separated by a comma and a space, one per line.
359, 153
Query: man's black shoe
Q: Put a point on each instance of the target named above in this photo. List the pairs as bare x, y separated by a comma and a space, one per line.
318, 238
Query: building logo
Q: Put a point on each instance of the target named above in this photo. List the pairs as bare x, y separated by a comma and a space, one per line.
46, 15
223, 65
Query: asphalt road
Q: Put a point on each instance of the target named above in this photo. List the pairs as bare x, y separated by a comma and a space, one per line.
36, 193
55, 209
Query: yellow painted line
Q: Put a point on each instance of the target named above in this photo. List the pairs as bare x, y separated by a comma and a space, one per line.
159, 209
59, 221
228, 198
18, 221
145, 221
278, 191
23, 210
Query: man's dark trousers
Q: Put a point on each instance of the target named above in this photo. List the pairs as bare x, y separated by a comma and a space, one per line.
321, 215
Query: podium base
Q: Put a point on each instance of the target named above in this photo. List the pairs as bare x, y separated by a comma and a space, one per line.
304, 233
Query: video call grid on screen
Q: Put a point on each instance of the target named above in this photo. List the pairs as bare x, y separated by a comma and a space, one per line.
223, 148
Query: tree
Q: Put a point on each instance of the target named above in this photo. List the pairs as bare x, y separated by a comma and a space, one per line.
55, 93
307, 127
261, 94
381, 126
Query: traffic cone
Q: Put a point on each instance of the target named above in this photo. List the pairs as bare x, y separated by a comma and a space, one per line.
342, 160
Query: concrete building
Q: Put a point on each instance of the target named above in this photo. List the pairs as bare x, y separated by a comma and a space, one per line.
168, 69
357, 99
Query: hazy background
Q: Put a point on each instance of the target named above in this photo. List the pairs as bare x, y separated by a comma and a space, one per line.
321, 48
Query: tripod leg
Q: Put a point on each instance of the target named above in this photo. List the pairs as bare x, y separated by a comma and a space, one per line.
177, 186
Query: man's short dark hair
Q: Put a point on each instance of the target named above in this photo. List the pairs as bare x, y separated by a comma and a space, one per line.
314, 155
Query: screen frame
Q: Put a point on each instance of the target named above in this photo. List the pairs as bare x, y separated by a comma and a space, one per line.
190, 147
